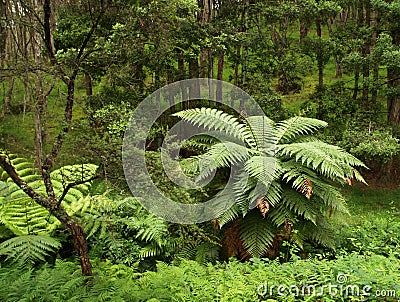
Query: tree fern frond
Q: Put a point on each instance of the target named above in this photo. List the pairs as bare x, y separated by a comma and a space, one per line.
217, 120
321, 232
280, 214
221, 155
263, 133
28, 249
23, 216
287, 130
313, 155
300, 205
261, 168
256, 233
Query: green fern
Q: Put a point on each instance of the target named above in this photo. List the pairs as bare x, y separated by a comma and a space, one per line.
22, 215
25, 218
28, 249
284, 166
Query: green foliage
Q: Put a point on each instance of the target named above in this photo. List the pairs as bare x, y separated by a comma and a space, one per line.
24, 216
371, 142
333, 105
30, 222
29, 249
294, 171
191, 281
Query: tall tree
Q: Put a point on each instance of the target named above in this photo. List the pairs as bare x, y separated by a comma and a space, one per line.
43, 12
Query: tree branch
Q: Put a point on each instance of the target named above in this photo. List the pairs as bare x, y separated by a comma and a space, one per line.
6, 164
76, 183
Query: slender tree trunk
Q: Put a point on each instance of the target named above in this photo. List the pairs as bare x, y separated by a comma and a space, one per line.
182, 76
171, 95
303, 29
88, 84
194, 90
356, 80
3, 32
338, 67
320, 59
7, 99
374, 88
205, 17
366, 52
219, 76
393, 100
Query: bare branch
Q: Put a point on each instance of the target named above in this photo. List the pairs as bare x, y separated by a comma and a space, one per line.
76, 183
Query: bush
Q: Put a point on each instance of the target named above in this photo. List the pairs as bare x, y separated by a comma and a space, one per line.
370, 142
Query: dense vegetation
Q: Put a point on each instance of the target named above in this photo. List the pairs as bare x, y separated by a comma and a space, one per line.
315, 199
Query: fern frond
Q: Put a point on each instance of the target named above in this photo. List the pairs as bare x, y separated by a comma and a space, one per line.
256, 233
315, 156
217, 120
261, 128
289, 129
300, 205
28, 249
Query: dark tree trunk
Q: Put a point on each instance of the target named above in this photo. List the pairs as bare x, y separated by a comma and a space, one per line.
88, 84
219, 76
366, 52
393, 75
338, 67
3, 32
194, 90
356, 80
56, 209
303, 29
205, 18
182, 76
171, 95
320, 56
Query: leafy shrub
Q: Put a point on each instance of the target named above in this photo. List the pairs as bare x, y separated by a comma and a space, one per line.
334, 106
370, 142
379, 235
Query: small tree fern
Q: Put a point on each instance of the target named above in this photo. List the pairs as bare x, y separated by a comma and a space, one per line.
286, 177
28, 220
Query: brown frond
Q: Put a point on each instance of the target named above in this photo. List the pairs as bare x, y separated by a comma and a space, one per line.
306, 188
263, 206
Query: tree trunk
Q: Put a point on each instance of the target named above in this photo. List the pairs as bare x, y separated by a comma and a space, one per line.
393, 99
219, 76
320, 59
205, 17
365, 53
7, 99
3, 32
182, 76
80, 246
194, 90
56, 209
338, 67
356, 80
374, 88
303, 29
88, 84
171, 95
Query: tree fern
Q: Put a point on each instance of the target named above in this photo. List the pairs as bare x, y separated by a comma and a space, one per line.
286, 174
25, 218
